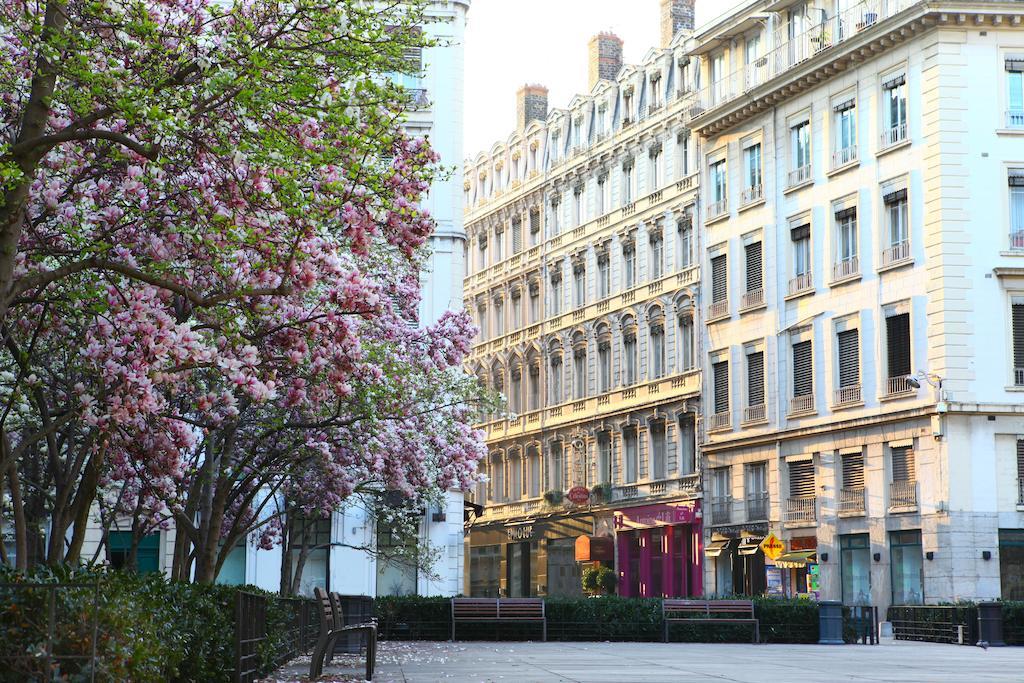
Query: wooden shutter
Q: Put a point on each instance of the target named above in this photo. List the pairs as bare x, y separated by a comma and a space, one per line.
534, 220
849, 358
719, 281
721, 375
1018, 335
897, 328
903, 468
1020, 458
517, 235
801, 479
853, 471
803, 369
754, 276
755, 378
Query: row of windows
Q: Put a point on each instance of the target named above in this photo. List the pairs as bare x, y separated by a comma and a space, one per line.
627, 457
615, 363
847, 391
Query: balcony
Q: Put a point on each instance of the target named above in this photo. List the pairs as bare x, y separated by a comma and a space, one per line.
718, 309
801, 404
720, 421
844, 156
798, 176
896, 253
757, 507
419, 97
803, 282
653, 109
893, 136
752, 194
721, 510
847, 268
1017, 240
1015, 118
753, 414
898, 386
801, 511
687, 483
718, 209
852, 502
752, 299
846, 396
902, 496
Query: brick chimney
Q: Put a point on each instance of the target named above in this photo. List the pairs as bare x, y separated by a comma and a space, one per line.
531, 105
676, 16
605, 57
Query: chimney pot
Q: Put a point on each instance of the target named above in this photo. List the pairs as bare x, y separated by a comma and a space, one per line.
605, 57
676, 16
531, 105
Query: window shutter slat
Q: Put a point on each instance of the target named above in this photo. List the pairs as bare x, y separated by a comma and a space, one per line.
895, 196
801, 479
720, 371
849, 358
1018, 335
754, 272
898, 340
755, 378
1020, 458
719, 283
903, 468
803, 369
853, 471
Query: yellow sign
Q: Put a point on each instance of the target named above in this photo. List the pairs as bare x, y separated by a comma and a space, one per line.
772, 546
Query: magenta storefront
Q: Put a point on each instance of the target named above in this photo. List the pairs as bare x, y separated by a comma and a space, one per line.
659, 550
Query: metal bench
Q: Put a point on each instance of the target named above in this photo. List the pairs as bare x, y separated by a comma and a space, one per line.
332, 625
710, 612
499, 610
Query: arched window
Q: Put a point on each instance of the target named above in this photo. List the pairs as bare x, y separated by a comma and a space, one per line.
656, 332
533, 388
555, 379
533, 472
629, 352
515, 394
685, 343
604, 359
579, 366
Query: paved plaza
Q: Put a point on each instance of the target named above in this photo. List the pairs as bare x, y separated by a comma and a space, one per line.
687, 662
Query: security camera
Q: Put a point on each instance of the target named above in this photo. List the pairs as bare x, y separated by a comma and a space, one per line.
913, 382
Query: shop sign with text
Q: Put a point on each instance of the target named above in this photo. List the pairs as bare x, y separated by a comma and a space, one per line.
655, 515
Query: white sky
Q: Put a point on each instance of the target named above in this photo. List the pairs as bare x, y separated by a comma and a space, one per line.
512, 42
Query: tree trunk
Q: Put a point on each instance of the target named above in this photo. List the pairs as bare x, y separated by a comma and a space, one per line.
20, 531
82, 506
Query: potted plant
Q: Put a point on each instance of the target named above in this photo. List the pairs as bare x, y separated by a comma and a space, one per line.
602, 492
553, 497
599, 580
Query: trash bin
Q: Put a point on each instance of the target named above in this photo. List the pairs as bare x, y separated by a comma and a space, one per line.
830, 622
356, 609
990, 624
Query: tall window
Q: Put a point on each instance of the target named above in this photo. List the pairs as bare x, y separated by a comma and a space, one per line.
718, 188
803, 375
801, 237
683, 141
516, 309
604, 276
894, 110
534, 302
801, 479
657, 251
848, 343
855, 565
482, 251
499, 243
897, 227
754, 274
604, 458
1015, 91
755, 381
1016, 181
686, 340
846, 243
657, 432
517, 235
629, 359
657, 350
499, 317
604, 366
534, 226
579, 372
556, 292
481, 317
907, 565
630, 454
556, 216
515, 398
752, 171
720, 374
719, 279
577, 207
534, 387
718, 77
579, 285
687, 443
555, 381
627, 182
757, 491
897, 351
655, 168
903, 464
629, 266
533, 459
602, 184
685, 241
800, 135
844, 125
556, 469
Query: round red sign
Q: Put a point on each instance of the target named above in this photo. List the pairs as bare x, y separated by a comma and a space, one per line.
578, 494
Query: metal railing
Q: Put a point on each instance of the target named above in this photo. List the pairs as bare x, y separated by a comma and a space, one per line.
847, 395
717, 309
801, 510
752, 194
1020, 491
801, 283
787, 53
719, 208
721, 420
844, 156
801, 404
896, 253
1017, 240
895, 386
757, 507
756, 413
1015, 118
799, 175
852, 501
1018, 377
848, 267
752, 298
902, 495
721, 510
893, 135
935, 623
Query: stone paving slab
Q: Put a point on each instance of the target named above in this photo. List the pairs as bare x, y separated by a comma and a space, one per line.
519, 662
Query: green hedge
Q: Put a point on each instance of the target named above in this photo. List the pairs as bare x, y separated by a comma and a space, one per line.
150, 628
600, 618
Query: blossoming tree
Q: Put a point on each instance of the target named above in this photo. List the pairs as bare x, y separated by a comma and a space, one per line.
209, 267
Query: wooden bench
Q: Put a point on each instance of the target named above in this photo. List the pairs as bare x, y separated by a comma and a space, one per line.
332, 625
710, 612
499, 610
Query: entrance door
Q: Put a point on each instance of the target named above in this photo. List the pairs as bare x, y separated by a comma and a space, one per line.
519, 570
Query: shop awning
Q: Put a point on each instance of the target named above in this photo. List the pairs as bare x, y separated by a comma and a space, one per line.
715, 548
750, 546
795, 560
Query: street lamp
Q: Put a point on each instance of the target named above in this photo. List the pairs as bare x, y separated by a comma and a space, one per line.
930, 377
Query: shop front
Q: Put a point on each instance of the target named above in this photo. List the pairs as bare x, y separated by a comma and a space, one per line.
526, 558
738, 560
659, 550
795, 572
